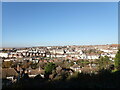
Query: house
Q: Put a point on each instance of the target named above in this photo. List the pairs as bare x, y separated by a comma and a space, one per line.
83, 56
4, 55
59, 55
114, 46
93, 56
76, 67
111, 55
35, 60
34, 72
88, 69
57, 51
5, 60
9, 73
108, 50
21, 51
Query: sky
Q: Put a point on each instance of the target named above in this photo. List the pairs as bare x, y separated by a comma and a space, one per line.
26, 24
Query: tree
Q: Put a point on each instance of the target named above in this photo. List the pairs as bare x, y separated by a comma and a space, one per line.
106, 61
49, 67
101, 62
117, 60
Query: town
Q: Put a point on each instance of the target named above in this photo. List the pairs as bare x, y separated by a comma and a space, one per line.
62, 44
34, 61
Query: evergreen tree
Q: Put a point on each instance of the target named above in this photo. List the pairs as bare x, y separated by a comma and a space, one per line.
49, 67
106, 61
101, 62
117, 60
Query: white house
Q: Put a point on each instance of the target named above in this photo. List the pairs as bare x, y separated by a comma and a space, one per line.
93, 57
4, 55
7, 60
58, 51
59, 55
20, 51
112, 55
108, 51
83, 56
76, 67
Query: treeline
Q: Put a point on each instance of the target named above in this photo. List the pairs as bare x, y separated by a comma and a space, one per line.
104, 79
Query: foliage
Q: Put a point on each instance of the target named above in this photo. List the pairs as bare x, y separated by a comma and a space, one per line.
104, 79
117, 60
49, 67
34, 65
67, 64
103, 62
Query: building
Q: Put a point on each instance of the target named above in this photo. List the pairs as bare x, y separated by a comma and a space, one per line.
4, 55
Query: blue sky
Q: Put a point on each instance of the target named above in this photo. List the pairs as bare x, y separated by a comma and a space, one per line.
63, 23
